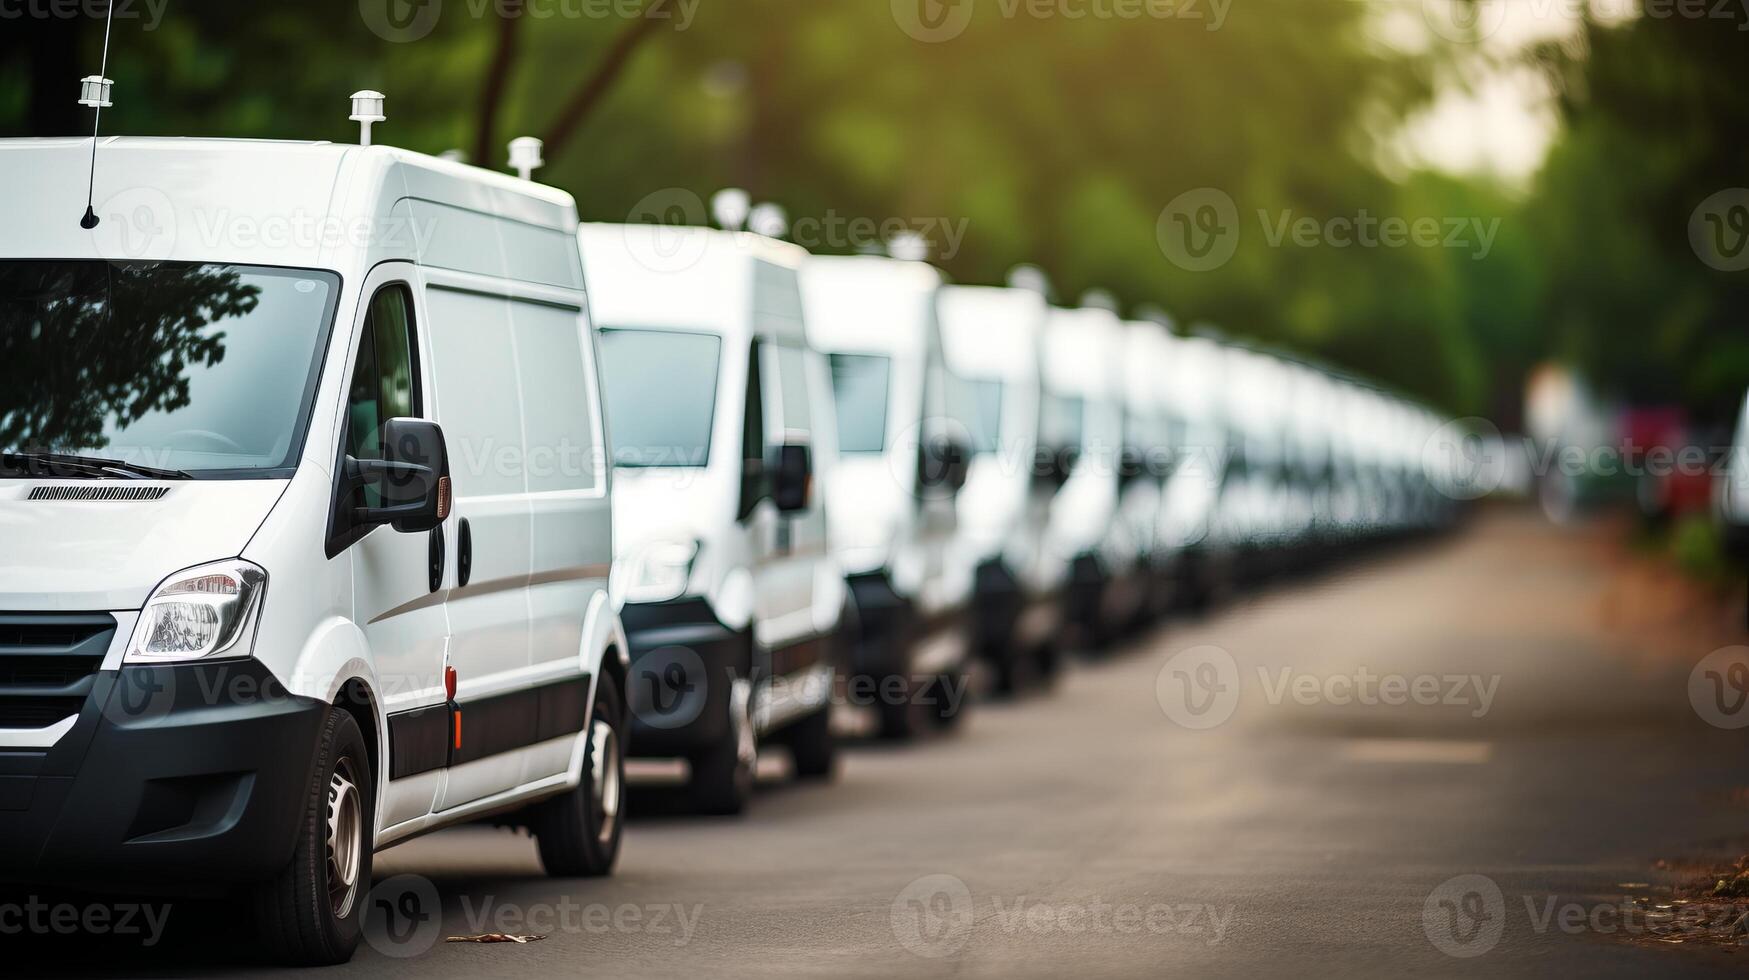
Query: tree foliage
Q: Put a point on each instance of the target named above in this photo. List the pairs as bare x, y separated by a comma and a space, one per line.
1049, 139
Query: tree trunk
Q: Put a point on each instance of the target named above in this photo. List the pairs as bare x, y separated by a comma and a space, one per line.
492, 92
590, 93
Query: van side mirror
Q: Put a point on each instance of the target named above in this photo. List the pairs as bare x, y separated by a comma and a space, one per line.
792, 478
1052, 466
1132, 465
944, 462
412, 478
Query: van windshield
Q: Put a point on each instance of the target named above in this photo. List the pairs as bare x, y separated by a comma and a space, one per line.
199, 368
983, 414
859, 389
661, 391
1061, 421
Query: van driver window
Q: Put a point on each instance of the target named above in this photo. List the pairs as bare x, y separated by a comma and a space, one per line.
383, 380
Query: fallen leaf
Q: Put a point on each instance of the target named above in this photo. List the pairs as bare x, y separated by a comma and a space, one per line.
496, 937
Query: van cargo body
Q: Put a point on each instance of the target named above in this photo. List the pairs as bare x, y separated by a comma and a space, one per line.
303, 506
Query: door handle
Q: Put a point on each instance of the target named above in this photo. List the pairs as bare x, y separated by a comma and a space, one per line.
434, 563
464, 563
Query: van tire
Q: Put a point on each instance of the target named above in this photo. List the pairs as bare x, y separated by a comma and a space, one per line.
578, 831
813, 747
295, 913
722, 775
945, 709
898, 719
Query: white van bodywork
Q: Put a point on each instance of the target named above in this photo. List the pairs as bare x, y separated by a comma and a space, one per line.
1143, 467
1082, 365
351, 618
1731, 493
990, 338
700, 551
893, 525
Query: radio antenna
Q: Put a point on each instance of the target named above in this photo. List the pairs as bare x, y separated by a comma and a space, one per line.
94, 91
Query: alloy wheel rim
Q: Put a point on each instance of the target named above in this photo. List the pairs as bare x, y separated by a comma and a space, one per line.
344, 844
746, 744
604, 777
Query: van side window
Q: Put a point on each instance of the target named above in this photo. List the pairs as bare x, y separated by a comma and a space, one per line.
793, 381
753, 435
385, 380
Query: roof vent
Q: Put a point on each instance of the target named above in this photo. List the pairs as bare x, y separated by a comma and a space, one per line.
730, 207
769, 220
367, 108
1030, 278
908, 245
525, 156
97, 493
1099, 299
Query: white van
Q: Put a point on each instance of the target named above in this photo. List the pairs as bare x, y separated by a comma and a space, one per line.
1254, 498
1082, 361
1142, 469
990, 339
306, 523
1198, 547
900, 461
720, 415
1731, 491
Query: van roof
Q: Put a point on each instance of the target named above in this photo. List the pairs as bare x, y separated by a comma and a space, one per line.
1082, 352
266, 202
869, 303
732, 283
991, 331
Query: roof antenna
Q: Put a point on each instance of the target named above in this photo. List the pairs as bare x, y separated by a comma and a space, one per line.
525, 156
94, 92
367, 110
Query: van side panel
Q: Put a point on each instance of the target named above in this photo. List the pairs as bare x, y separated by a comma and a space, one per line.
474, 361
572, 525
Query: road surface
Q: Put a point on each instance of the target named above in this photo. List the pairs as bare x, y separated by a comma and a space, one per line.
1223, 798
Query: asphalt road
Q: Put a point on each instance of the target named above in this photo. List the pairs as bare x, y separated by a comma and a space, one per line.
1202, 803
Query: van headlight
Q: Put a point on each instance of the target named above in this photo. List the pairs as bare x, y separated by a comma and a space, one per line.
657, 573
200, 612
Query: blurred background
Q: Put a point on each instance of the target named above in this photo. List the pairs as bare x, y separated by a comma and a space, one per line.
1530, 212
1532, 215
1567, 150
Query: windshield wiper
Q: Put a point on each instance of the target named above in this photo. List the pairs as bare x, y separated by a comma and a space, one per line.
72, 465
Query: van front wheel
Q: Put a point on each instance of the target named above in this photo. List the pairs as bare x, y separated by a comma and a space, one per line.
310, 914
578, 831
722, 773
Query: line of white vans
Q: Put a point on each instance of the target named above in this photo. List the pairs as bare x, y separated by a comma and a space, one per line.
348, 493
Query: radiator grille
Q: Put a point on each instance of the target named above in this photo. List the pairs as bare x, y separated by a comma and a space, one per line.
48, 664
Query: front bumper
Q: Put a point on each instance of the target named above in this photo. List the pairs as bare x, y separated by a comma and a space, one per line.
175, 778
1007, 621
683, 662
893, 638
